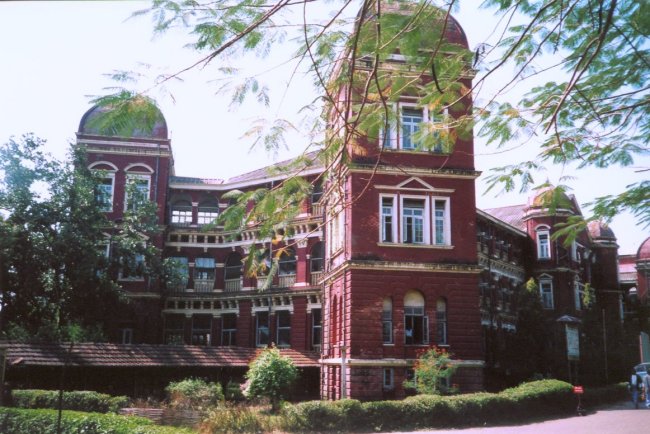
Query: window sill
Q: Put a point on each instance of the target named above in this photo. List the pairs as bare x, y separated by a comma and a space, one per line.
415, 151
388, 344
417, 246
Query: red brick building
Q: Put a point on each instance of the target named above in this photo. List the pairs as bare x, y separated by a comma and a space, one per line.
392, 259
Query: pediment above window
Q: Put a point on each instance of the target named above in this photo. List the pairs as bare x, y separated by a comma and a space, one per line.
415, 184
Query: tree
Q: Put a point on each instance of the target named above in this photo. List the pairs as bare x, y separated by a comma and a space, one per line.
593, 111
269, 375
57, 263
433, 370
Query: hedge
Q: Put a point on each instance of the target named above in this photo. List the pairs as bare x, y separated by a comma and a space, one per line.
525, 402
28, 421
83, 400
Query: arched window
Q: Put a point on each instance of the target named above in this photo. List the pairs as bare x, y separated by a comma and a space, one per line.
441, 321
316, 258
416, 323
287, 262
207, 213
387, 321
181, 213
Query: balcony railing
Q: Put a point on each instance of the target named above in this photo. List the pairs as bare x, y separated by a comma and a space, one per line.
203, 285
233, 285
261, 282
287, 280
316, 277
317, 209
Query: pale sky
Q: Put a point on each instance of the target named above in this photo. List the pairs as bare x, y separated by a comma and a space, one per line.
54, 55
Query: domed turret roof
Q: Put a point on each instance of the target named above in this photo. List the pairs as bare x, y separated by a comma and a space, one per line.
644, 250
547, 196
600, 231
139, 118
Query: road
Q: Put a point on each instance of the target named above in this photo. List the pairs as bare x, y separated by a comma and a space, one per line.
620, 418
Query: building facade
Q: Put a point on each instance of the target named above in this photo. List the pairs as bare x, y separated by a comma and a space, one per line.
385, 260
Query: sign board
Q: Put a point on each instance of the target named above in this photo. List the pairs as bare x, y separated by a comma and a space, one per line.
578, 390
572, 342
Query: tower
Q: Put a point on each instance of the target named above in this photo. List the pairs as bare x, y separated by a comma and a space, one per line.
401, 256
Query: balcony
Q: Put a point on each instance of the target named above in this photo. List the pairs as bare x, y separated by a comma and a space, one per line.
286, 280
261, 281
317, 209
233, 285
203, 285
316, 277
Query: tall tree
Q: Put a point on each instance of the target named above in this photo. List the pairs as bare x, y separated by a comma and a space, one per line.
58, 262
593, 111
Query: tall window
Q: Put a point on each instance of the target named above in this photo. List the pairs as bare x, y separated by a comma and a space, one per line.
207, 213
228, 329
204, 268
316, 328
413, 221
543, 243
410, 120
440, 217
389, 378
441, 321
388, 220
179, 273
387, 321
287, 263
137, 191
416, 323
181, 213
234, 267
579, 295
316, 258
546, 292
317, 192
132, 267
201, 329
104, 192
283, 326
262, 329
174, 329
126, 336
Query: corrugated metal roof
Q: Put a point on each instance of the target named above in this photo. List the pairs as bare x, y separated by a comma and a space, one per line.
142, 355
512, 215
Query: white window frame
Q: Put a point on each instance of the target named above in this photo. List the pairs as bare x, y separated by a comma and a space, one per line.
382, 226
578, 294
442, 322
426, 218
425, 118
126, 335
138, 258
179, 215
387, 321
108, 206
446, 221
394, 140
259, 327
278, 328
388, 379
317, 329
130, 177
206, 214
546, 293
543, 253
231, 333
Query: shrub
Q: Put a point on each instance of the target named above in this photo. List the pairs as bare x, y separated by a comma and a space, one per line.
234, 391
269, 375
83, 400
431, 368
528, 401
29, 421
194, 394
235, 419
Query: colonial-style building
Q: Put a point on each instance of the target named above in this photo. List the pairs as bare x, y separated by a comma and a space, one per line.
394, 257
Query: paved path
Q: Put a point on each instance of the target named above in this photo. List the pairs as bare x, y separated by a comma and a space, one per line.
619, 418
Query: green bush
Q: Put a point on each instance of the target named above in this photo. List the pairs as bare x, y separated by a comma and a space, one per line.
235, 419
194, 394
28, 421
233, 392
83, 400
525, 402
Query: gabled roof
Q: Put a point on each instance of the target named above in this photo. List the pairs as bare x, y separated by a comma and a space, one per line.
141, 355
512, 215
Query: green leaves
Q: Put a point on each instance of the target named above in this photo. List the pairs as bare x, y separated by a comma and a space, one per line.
269, 375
